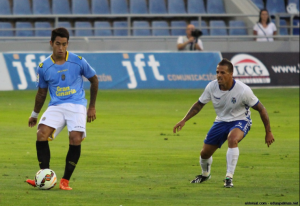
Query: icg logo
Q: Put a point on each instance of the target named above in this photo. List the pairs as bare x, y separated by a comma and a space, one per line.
249, 69
140, 63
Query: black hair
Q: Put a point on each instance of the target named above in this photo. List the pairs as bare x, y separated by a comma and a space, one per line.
226, 62
61, 32
259, 20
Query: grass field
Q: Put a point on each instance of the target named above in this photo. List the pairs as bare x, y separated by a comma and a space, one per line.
131, 157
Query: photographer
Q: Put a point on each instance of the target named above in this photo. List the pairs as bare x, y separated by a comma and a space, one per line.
191, 41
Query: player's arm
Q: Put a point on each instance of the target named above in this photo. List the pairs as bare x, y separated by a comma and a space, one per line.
195, 109
91, 113
39, 102
269, 138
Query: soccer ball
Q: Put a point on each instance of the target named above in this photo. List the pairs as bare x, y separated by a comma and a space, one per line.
45, 179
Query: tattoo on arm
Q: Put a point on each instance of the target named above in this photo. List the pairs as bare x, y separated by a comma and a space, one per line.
263, 115
93, 90
40, 99
195, 109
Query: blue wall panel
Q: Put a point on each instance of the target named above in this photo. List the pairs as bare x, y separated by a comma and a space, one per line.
147, 70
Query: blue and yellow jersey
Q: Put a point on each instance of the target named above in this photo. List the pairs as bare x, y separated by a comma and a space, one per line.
65, 82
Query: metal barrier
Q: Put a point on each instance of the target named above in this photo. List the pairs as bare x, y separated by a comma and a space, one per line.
54, 19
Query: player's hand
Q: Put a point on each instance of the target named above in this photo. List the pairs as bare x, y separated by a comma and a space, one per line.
178, 126
91, 114
269, 138
32, 121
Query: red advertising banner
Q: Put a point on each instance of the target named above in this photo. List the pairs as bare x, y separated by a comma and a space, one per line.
266, 69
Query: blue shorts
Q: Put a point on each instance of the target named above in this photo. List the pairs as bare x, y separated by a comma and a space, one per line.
218, 133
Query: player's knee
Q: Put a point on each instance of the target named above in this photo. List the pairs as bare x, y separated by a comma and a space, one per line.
75, 138
204, 154
42, 135
233, 141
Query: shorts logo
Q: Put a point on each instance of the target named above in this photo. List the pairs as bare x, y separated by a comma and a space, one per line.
79, 127
44, 118
63, 77
233, 100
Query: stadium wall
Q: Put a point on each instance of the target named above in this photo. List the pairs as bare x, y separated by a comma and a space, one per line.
145, 44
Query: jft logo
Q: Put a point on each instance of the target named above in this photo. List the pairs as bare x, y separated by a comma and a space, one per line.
30, 64
140, 64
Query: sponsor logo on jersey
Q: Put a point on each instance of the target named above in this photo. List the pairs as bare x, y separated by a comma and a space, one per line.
41, 65
216, 97
250, 70
62, 70
233, 100
64, 91
44, 118
80, 57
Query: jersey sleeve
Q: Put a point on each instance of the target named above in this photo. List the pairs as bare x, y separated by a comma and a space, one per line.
88, 71
205, 96
40, 80
249, 98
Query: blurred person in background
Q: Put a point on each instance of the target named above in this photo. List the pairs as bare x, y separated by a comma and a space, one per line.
264, 28
191, 41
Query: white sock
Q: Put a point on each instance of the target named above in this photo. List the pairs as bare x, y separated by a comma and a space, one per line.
205, 165
232, 157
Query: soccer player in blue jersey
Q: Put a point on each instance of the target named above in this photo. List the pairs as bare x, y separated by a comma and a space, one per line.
232, 100
62, 74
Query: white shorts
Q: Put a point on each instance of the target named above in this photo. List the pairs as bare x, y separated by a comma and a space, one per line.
72, 115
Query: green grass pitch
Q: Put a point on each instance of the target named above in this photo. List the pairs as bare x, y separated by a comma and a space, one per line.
131, 157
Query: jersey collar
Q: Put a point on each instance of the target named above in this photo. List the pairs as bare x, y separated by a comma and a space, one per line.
232, 85
67, 56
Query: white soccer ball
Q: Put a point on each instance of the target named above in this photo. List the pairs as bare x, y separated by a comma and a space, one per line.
45, 179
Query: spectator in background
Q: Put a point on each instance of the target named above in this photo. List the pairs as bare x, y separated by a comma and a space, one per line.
191, 41
264, 28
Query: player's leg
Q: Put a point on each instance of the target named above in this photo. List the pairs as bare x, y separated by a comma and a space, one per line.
214, 139
42, 148
205, 162
206, 158
42, 145
72, 158
236, 134
51, 123
76, 123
